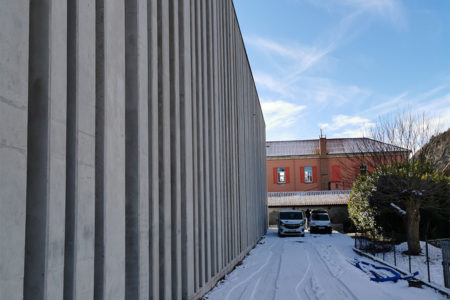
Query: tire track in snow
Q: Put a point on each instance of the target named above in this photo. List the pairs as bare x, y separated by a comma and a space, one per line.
342, 284
255, 288
254, 273
308, 270
337, 269
277, 283
311, 287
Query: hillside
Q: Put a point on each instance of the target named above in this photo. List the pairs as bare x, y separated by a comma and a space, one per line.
437, 150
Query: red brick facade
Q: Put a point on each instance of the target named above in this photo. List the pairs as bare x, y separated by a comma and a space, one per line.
329, 171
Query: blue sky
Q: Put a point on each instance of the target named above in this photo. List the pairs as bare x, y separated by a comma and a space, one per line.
339, 65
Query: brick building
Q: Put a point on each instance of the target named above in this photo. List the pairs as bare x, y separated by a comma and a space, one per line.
319, 173
322, 164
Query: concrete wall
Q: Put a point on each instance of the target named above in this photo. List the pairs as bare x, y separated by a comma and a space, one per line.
132, 148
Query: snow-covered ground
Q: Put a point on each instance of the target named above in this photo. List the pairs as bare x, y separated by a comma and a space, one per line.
311, 267
418, 263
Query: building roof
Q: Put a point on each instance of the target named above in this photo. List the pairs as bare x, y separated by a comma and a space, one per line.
314, 198
334, 146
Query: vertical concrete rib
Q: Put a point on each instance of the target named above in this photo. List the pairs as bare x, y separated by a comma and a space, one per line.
99, 150
46, 173
14, 46
228, 126
131, 153
165, 212
80, 158
143, 149
153, 139
110, 151
195, 144
186, 140
136, 127
175, 155
210, 99
219, 133
200, 146
205, 102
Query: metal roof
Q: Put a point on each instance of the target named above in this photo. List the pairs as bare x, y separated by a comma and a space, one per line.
334, 146
314, 198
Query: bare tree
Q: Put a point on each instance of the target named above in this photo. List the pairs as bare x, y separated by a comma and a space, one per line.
394, 138
407, 184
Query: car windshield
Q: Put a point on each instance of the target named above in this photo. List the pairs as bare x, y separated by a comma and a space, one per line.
320, 217
291, 215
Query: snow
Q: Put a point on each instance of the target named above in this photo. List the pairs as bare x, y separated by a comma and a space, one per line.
401, 211
311, 267
416, 192
418, 263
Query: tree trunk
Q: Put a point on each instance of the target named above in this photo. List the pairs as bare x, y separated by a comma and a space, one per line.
412, 227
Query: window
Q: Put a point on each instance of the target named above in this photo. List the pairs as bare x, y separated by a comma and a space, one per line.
319, 217
363, 169
291, 215
281, 175
308, 175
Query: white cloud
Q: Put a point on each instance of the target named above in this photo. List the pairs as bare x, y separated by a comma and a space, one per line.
280, 113
327, 92
297, 58
341, 121
387, 106
435, 108
347, 126
438, 110
434, 103
356, 132
273, 84
391, 10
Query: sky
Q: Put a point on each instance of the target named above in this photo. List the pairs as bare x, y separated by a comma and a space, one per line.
342, 65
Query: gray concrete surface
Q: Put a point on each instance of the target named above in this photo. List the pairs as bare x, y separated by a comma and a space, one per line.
46, 162
80, 156
132, 148
14, 41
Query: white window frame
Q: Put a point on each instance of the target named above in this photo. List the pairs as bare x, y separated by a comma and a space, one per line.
281, 175
308, 175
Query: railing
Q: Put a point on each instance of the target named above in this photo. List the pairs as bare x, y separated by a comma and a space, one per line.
432, 264
309, 193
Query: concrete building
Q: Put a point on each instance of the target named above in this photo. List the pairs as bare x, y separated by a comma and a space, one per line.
132, 149
310, 174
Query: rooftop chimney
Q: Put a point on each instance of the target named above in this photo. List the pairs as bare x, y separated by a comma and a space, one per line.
323, 162
322, 145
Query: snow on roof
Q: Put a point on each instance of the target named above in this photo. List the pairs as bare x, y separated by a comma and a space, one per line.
313, 198
334, 146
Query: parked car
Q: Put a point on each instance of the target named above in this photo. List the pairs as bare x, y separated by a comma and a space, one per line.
320, 222
291, 222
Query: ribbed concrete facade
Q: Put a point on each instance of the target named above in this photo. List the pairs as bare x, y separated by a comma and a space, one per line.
132, 148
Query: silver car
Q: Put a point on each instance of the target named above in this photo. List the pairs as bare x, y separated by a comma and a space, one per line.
320, 222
